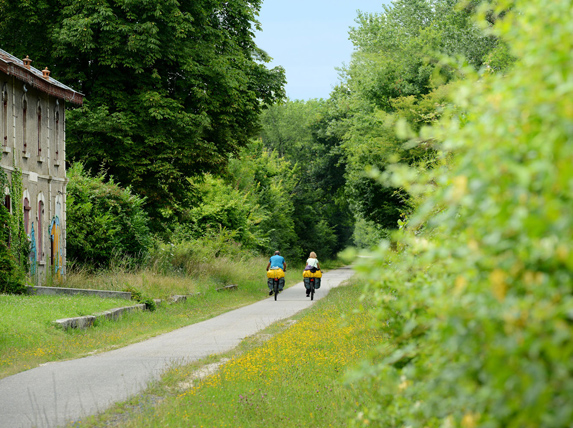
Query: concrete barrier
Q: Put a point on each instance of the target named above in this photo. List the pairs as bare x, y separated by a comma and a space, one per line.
77, 322
53, 291
88, 320
114, 314
178, 298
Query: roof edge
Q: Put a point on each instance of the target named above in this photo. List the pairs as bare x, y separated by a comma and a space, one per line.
28, 76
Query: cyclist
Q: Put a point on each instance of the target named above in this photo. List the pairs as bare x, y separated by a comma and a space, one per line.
312, 261
276, 262
311, 265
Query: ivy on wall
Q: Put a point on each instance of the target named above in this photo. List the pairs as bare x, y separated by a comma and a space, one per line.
14, 244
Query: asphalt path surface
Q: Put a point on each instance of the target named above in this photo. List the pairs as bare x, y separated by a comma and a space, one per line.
56, 393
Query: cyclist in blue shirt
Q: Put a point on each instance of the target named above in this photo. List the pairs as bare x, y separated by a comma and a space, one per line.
277, 262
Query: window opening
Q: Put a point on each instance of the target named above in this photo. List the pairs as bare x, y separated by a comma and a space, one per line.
39, 130
4, 116
57, 136
24, 123
27, 209
40, 230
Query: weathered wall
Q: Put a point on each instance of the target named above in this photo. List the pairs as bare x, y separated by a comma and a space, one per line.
33, 141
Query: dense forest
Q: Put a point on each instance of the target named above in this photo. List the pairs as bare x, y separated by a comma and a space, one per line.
445, 151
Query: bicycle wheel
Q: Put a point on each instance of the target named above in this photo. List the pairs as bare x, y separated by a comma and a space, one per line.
311, 290
276, 289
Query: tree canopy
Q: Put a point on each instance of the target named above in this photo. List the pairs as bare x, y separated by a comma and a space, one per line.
399, 75
172, 87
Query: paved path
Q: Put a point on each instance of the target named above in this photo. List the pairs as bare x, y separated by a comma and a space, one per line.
56, 393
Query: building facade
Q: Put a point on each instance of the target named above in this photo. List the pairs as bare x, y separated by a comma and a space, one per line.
32, 132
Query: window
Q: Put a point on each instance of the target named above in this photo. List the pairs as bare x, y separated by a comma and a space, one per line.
4, 116
24, 123
40, 230
57, 136
39, 113
27, 209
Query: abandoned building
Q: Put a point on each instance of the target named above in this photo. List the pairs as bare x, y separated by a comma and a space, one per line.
32, 127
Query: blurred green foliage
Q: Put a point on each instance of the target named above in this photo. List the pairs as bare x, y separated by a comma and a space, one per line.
475, 299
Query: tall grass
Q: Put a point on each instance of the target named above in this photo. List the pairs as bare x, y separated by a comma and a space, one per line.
187, 267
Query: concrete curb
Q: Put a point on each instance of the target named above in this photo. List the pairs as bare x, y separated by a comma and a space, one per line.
78, 322
53, 291
114, 314
88, 320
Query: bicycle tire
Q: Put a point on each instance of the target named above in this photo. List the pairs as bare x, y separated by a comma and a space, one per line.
276, 288
312, 290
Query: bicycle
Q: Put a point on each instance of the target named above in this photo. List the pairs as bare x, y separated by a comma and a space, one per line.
311, 285
276, 286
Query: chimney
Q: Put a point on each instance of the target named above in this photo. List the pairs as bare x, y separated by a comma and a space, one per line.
46, 73
27, 61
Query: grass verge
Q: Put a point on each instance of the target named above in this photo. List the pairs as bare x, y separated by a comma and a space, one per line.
290, 374
28, 339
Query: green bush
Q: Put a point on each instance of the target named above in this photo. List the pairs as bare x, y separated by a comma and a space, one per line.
251, 205
478, 307
104, 221
139, 297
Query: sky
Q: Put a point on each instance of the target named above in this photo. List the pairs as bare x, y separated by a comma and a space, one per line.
309, 38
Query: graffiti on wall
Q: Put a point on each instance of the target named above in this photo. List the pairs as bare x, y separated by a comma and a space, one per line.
56, 250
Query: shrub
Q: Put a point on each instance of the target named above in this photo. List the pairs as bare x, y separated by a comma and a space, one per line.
478, 308
139, 297
104, 221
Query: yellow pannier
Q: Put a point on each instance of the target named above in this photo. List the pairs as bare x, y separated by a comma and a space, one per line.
309, 274
275, 273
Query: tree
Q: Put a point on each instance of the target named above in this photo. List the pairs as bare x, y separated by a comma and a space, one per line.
323, 222
397, 76
172, 87
399, 50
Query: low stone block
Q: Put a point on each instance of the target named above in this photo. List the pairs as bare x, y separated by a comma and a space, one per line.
111, 314
77, 322
178, 298
228, 287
